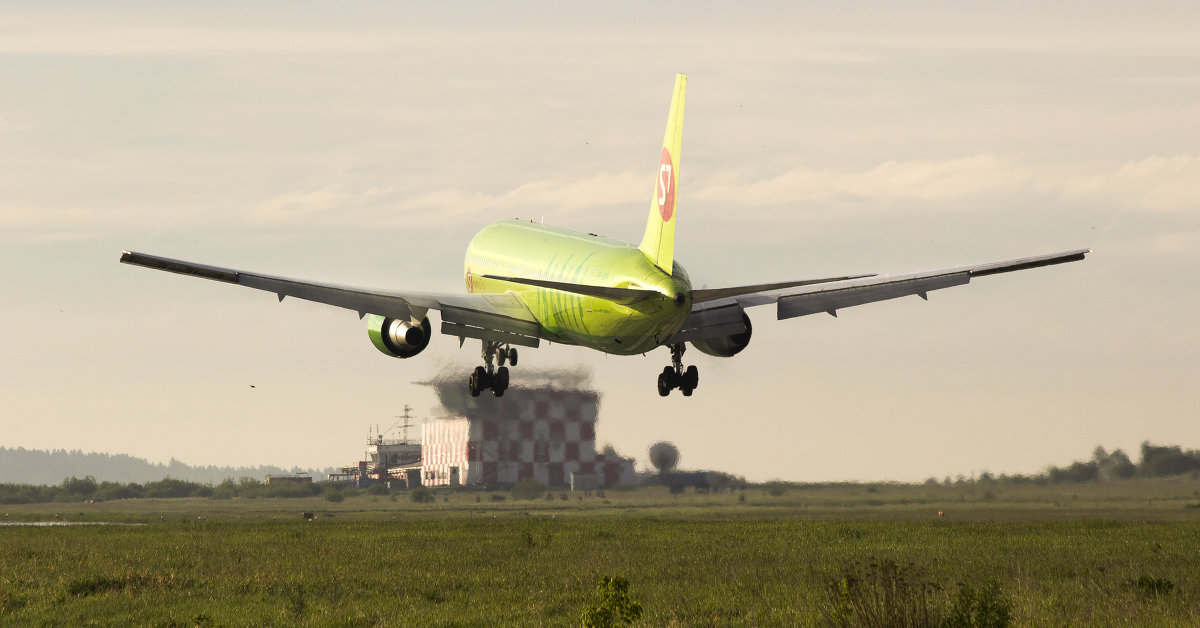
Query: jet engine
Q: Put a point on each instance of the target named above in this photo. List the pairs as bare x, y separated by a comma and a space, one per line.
398, 338
726, 346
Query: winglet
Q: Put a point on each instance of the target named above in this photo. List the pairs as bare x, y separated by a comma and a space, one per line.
659, 242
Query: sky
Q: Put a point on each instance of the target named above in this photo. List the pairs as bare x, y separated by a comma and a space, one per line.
365, 145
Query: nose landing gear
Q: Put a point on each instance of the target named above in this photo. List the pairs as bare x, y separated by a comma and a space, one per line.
675, 376
488, 377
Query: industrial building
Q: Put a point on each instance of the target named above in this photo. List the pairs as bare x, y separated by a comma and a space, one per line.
541, 432
387, 459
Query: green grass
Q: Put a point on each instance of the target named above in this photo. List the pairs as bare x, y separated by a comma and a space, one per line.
1066, 556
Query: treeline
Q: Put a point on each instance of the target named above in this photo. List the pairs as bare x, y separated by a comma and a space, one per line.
1156, 461
41, 467
87, 488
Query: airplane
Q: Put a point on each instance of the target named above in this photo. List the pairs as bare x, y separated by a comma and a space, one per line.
527, 282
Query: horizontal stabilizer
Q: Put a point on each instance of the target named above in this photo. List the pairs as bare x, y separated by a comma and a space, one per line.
623, 296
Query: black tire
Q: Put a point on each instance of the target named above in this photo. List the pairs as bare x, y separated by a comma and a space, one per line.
691, 378
664, 387
501, 381
512, 356
687, 392
482, 381
672, 378
473, 384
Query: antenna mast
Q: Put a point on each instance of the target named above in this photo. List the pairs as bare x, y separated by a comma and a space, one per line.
407, 423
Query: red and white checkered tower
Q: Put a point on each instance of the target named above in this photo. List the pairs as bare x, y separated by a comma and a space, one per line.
544, 433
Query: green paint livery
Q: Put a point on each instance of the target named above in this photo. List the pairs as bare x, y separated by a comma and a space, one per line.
514, 248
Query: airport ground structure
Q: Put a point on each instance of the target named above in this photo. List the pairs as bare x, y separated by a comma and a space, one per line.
542, 432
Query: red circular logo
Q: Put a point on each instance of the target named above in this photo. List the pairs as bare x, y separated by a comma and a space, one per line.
665, 196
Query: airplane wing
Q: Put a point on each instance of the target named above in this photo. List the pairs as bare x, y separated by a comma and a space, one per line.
723, 317
487, 316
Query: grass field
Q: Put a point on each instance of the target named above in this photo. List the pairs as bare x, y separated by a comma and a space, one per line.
1096, 554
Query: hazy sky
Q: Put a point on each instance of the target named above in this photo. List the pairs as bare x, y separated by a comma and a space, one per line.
365, 144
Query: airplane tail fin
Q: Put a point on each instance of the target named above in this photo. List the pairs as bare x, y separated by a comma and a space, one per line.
659, 242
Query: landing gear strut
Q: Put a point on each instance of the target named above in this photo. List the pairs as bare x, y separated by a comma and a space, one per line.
675, 376
488, 377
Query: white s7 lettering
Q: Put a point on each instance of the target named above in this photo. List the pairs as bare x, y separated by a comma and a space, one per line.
664, 183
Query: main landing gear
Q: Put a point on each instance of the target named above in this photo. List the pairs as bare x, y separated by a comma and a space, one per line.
489, 377
675, 376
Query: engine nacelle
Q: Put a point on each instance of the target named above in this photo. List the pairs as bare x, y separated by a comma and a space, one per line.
726, 346
398, 338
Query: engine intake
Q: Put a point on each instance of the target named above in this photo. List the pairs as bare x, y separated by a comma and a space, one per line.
398, 338
726, 346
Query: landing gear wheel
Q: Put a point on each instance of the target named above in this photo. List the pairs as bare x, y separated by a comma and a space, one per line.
476, 384
512, 356
664, 385
688, 381
500, 383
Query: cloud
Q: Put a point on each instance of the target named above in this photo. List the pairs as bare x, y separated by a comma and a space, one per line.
1151, 184
1154, 184
920, 180
561, 196
308, 206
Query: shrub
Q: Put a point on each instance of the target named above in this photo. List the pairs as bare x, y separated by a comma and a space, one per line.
983, 608
421, 495
170, 487
615, 607
80, 487
1150, 585
528, 488
882, 593
333, 493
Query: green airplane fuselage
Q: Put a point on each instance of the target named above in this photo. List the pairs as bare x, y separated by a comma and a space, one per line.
518, 249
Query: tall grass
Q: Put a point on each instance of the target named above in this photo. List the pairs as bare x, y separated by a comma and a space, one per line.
521, 568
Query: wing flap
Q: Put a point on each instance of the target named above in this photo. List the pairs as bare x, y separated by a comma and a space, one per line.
479, 333
833, 299
475, 318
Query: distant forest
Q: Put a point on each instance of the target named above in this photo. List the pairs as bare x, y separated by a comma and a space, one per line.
1157, 461
51, 468
48, 468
